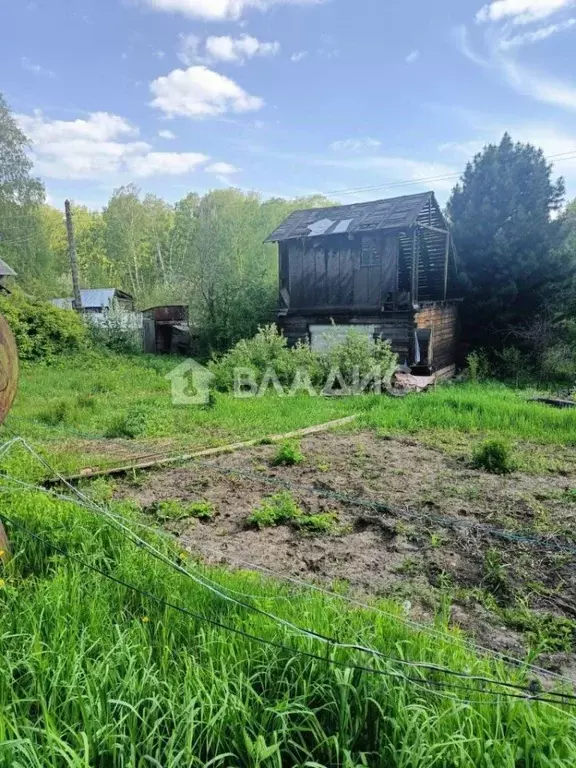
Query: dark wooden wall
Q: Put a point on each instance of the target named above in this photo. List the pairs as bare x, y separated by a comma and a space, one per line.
327, 271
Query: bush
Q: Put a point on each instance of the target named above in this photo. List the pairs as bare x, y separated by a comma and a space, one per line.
42, 330
278, 509
115, 330
355, 357
288, 454
479, 367
494, 456
359, 356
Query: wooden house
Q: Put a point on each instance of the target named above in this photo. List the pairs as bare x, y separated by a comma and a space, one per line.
386, 268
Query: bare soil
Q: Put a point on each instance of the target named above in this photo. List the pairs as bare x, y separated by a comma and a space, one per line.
414, 522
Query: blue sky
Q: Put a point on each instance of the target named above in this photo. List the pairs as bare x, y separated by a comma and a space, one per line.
285, 97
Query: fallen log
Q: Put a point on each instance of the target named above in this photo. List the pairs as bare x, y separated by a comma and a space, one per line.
89, 472
555, 402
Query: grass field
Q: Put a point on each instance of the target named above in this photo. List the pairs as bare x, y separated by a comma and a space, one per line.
96, 674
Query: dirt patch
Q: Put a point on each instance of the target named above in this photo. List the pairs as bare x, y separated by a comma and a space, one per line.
412, 522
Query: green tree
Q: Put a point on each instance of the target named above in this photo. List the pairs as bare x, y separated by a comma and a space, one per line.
22, 242
502, 215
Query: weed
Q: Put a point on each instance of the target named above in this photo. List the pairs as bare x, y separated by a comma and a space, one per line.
278, 509
86, 400
288, 454
547, 633
129, 425
174, 510
201, 510
318, 524
570, 494
102, 489
437, 540
496, 576
59, 413
494, 456
409, 567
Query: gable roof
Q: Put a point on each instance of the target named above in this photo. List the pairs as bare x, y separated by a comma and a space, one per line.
93, 298
6, 270
394, 213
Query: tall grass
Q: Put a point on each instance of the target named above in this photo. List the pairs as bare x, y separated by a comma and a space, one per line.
93, 674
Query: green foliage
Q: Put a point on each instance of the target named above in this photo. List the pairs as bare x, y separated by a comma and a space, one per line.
130, 424
494, 456
355, 358
502, 221
174, 510
201, 510
479, 367
288, 454
282, 509
496, 576
58, 413
116, 331
278, 509
42, 330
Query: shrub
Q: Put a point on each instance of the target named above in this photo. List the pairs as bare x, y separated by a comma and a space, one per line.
42, 330
201, 510
357, 356
288, 454
493, 456
131, 424
116, 330
478, 365
510, 363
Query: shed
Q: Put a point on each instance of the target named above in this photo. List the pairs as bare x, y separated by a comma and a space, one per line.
5, 271
99, 300
386, 268
167, 330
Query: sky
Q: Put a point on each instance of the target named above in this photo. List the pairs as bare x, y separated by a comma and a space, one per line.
357, 99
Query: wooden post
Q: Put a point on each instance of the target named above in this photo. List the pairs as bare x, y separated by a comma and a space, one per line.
4, 545
77, 301
446, 264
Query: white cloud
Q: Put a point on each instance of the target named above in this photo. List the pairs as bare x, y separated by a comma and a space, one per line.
298, 56
165, 163
222, 168
227, 48
528, 38
198, 92
355, 146
521, 11
543, 88
412, 57
220, 10
35, 69
166, 134
102, 146
224, 48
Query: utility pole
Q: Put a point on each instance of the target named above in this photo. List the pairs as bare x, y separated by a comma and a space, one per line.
77, 301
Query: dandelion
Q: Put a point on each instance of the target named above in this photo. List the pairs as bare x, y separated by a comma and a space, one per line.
2, 583
145, 620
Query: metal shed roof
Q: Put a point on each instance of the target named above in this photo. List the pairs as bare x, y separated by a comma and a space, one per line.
6, 270
394, 213
93, 298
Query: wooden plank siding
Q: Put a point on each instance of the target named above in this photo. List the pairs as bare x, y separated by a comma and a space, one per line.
328, 272
442, 320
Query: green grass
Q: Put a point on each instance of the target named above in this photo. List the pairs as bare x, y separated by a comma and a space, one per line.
475, 409
74, 409
93, 674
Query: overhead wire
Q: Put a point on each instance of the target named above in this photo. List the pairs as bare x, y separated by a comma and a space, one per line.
534, 695
90, 505
333, 642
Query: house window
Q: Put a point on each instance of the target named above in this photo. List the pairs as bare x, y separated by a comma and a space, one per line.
371, 251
